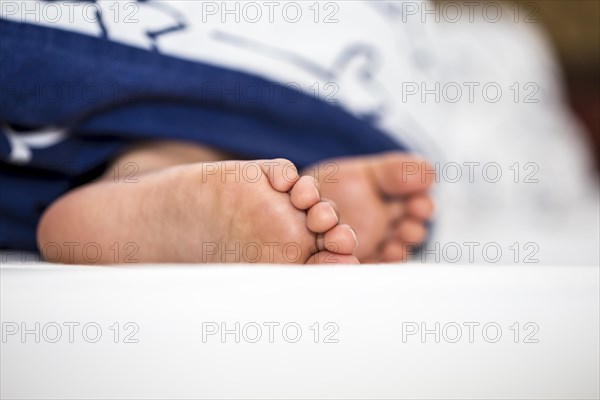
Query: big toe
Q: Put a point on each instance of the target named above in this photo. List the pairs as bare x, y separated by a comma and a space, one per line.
400, 174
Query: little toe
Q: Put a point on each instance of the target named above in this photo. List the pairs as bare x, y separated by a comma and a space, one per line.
326, 257
282, 173
399, 174
305, 194
341, 239
420, 206
411, 231
322, 217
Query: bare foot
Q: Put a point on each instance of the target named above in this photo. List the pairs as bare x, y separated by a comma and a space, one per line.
383, 197
229, 211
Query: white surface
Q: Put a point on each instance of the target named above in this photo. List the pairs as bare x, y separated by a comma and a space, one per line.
368, 303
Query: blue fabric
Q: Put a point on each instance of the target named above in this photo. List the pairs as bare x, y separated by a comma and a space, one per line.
108, 95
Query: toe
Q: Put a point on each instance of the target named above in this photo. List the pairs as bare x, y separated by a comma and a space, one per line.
411, 231
282, 173
341, 239
420, 206
399, 174
326, 257
305, 194
322, 217
394, 251
395, 210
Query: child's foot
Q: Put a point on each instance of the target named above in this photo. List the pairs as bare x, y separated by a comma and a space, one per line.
269, 212
383, 197
230, 211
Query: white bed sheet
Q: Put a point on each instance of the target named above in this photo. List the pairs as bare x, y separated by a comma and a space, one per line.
371, 305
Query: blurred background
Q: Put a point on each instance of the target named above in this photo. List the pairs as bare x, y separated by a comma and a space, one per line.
573, 26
